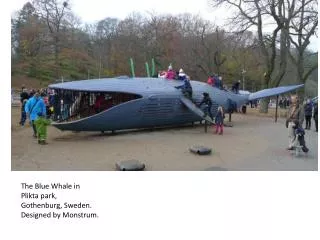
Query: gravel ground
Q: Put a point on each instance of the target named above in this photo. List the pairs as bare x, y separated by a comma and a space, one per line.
253, 143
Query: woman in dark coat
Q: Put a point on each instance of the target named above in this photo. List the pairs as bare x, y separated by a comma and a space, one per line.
315, 115
308, 113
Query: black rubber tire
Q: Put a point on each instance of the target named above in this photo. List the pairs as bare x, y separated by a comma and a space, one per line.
130, 165
200, 150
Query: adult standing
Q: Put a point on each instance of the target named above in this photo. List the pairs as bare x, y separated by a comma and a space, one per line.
280, 102
315, 115
23, 96
308, 113
236, 87
295, 117
34, 106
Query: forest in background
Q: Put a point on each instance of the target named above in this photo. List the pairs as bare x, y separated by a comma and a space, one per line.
49, 42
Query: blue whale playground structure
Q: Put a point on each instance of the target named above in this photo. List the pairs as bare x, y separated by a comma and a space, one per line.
133, 103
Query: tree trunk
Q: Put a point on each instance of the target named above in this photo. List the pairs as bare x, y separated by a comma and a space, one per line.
56, 56
300, 91
264, 103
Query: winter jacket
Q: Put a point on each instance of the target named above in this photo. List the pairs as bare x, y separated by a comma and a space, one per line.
206, 100
170, 74
216, 82
182, 76
186, 86
23, 96
308, 109
34, 106
219, 118
295, 114
315, 111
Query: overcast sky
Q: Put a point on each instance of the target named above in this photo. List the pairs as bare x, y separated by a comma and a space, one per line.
95, 10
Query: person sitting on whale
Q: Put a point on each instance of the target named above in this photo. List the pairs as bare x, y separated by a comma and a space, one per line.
170, 73
182, 76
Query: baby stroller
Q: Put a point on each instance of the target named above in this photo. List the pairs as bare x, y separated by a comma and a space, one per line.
299, 140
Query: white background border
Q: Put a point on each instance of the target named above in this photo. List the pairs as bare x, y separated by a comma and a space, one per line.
161, 205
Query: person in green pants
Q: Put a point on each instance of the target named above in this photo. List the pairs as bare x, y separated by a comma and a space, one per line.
41, 126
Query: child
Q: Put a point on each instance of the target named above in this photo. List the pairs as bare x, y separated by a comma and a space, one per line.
299, 135
208, 104
219, 121
23, 113
41, 125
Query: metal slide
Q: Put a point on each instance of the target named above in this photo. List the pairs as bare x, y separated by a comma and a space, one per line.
192, 107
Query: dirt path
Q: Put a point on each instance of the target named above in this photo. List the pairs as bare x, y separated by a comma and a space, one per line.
254, 143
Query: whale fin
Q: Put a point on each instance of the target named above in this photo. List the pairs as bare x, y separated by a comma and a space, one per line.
273, 92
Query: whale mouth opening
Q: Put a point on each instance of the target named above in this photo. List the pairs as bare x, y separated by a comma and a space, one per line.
68, 106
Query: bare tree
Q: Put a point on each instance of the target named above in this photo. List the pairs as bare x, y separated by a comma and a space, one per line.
28, 43
257, 14
106, 31
53, 12
52, 42
303, 26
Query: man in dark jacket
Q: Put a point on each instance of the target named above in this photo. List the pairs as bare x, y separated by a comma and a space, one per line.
315, 115
236, 87
24, 96
308, 113
208, 104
